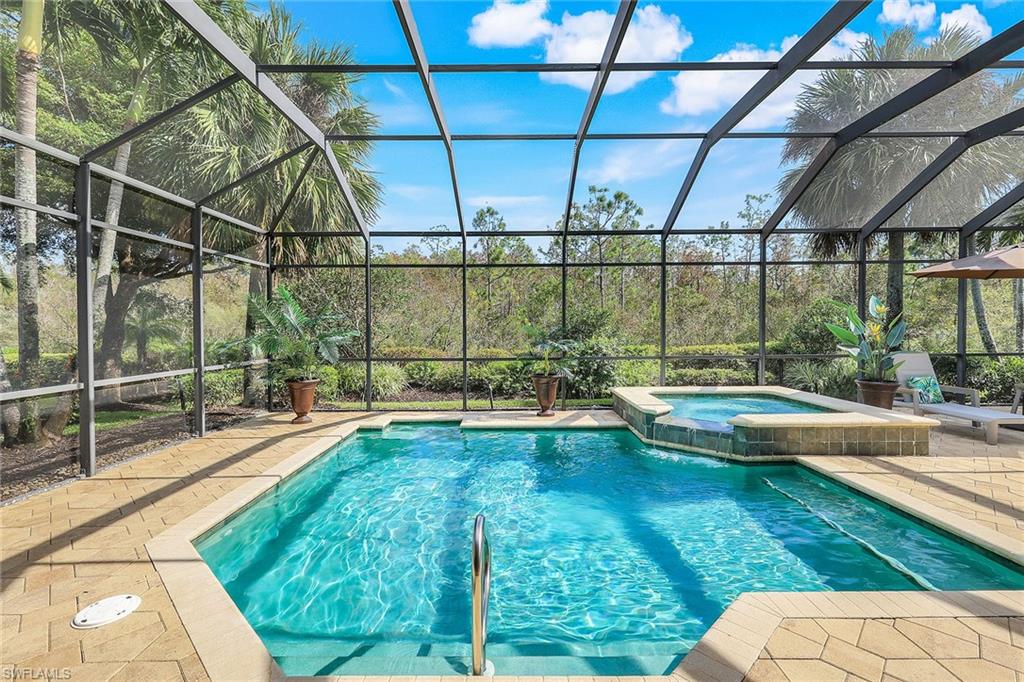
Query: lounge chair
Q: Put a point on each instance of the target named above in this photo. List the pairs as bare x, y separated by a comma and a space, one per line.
920, 365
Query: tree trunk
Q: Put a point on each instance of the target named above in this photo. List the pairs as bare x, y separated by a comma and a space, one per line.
894, 277
978, 301
108, 238
141, 346
105, 258
1018, 314
600, 271
9, 414
58, 420
110, 362
982, 317
251, 390
27, 259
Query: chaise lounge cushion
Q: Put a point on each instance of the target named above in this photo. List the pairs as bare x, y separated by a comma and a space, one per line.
978, 414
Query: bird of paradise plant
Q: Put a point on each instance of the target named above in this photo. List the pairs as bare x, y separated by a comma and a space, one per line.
873, 342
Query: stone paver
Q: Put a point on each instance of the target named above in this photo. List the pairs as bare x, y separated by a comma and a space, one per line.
64, 548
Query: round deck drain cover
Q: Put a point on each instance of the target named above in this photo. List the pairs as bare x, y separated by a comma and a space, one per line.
105, 611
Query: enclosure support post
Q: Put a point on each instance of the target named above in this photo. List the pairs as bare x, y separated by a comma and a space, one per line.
198, 336
565, 282
862, 277
663, 310
369, 321
270, 295
465, 328
961, 318
85, 360
762, 305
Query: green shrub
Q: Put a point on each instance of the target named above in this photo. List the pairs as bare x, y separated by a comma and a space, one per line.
636, 373
223, 387
995, 379
411, 352
711, 377
496, 353
832, 378
506, 378
328, 387
54, 368
389, 381
351, 379
448, 378
422, 373
643, 349
808, 334
592, 378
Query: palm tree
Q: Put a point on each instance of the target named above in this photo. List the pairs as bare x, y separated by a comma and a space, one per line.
30, 43
881, 166
9, 413
142, 40
225, 136
151, 319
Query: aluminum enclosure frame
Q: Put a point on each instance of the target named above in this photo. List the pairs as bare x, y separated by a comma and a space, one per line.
990, 54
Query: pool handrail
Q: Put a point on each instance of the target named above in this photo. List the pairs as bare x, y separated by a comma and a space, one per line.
481, 593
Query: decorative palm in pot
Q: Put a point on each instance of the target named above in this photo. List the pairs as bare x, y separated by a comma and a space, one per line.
548, 371
872, 344
298, 343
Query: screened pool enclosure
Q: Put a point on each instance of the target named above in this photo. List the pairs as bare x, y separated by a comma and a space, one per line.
162, 164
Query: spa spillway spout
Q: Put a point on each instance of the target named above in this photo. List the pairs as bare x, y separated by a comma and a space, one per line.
481, 597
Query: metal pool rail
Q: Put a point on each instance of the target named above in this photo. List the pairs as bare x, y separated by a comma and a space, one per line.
481, 594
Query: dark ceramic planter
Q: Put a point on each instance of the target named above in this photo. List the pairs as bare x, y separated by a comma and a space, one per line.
302, 394
546, 388
877, 393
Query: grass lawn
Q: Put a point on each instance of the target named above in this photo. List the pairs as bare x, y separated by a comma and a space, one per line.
113, 419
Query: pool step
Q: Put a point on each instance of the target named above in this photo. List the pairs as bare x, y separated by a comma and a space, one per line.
648, 666
369, 649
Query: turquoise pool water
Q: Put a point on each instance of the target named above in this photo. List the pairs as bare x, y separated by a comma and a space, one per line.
610, 557
719, 408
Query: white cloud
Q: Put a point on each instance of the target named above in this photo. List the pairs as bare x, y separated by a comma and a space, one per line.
920, 15
506, 201
412, 192
394, 89
638, 160
700, 92
653, 36
840, 47
510, 24
967, 16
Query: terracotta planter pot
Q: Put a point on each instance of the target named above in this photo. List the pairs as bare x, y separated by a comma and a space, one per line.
546, 388
877, 393
302, 394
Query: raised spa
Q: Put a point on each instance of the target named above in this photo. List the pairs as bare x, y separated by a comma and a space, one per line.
610, 557
717, 408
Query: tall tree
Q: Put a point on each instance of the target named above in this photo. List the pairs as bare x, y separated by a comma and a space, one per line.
866, 173
604, 212
30, 43
227, 135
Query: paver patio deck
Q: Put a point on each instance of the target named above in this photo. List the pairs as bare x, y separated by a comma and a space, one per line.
65, 548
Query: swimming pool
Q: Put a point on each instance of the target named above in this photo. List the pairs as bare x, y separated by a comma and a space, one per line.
610, 557
719, 408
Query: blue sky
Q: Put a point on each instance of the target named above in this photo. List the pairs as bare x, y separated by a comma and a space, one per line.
528, 181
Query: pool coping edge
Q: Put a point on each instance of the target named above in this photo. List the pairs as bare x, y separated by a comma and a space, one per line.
229, 648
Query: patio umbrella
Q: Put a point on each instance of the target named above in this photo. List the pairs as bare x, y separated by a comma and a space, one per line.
1004, 263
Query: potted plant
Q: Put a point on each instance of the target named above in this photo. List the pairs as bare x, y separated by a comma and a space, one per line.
298, 342
547, 373
872, 343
